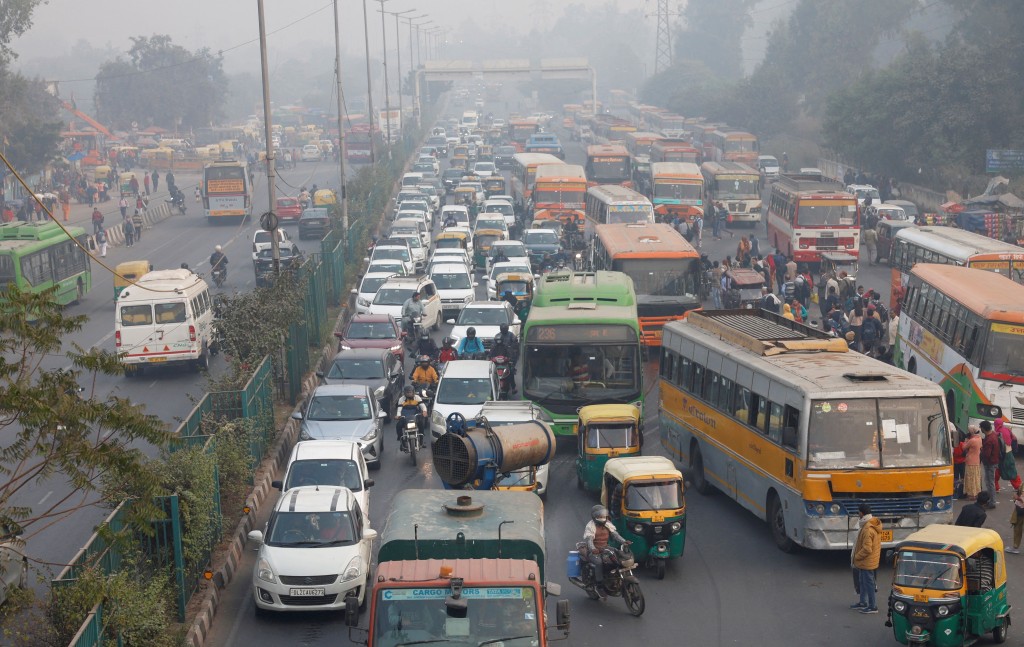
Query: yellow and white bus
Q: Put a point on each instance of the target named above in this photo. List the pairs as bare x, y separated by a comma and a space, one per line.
524, 170
736, 185
800, 430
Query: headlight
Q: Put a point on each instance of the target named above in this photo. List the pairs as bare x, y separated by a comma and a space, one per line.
676, 526
437, 419
942, 611
819, 509
371, 435
353, 570
941, 504
264, 571
363, 302
835, 508
989, 410
304, 434
638, 528
395, 348
927, 505
899, 606
468, 299
346, 347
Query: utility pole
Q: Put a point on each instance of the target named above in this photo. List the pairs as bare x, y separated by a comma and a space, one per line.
663, 42
270, 223
398, 57
369, 87
341, 126
387, 89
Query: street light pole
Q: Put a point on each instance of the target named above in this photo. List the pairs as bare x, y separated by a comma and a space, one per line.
341, 126
369, 86
387, 89
271, 195
398, 57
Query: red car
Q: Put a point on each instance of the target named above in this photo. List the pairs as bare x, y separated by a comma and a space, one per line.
288, 209
372, 331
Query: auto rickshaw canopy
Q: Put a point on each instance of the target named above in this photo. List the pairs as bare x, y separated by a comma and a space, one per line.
962, 540
629, 468
609, 413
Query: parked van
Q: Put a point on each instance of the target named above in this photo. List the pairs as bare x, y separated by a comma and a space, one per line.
166, 317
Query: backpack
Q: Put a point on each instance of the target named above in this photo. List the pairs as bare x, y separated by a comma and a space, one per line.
871, 330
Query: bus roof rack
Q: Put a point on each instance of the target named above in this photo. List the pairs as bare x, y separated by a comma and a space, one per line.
764, 333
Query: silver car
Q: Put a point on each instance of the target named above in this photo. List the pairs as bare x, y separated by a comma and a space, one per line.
344, 412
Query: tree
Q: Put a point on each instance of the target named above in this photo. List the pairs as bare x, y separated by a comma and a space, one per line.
29, 121
15, 19
687, 88
162, 84
52, 428
714, 35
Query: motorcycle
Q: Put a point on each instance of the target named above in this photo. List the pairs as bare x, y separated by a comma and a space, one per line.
219, 275
425, 392
178, 202
411, 440
503, 369
412, 331
619, 580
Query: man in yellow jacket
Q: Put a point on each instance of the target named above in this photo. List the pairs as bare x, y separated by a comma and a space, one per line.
867, 553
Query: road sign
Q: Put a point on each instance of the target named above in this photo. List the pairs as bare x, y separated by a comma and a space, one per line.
268, 221
999, 160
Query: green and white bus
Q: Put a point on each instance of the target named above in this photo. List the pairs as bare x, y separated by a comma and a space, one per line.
40, 255
963, 328
581, 345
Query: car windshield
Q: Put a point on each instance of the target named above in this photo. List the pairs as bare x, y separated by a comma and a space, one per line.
392, 296
464, 390
877, 433
452, 281
452, 173
287, 202
654, 495
503, 209
484, 166
471, 316
516, 249
925, 570
392, 267
491, 223
506, 150
608, 436
309, 214
311, 529
413, 236
392, 253
541, 238
325, 471
356, 369
338, 407
370, 329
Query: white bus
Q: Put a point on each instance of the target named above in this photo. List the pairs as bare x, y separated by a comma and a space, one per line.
614, 204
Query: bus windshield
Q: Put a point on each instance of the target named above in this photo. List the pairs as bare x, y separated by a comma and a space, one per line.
877, 433
609, 169
817, 214
728, 189
1004, 352
677, 191
493, 616
629, 215
577, 373
666, 277
558, 196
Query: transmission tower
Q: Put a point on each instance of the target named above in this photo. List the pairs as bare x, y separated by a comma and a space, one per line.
663, 42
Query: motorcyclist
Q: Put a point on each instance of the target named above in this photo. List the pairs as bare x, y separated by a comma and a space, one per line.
447, 354
596, 534
424, 373
470, 343
547, 263
569, 231
410, 400
411, 310
426, 345
449, 221
499, 257
510, 299
508, 339
501, 348
218, 260
303, 198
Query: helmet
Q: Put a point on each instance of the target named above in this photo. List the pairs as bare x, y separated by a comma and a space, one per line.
599, 512
424, 359
218, 248
503, 327
446, 342
471, 332
409, 391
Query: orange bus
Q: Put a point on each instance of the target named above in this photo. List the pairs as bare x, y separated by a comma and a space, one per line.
519, 131
674, 150
806, 218
664, 267
734, 146
678, 189
640, 142
559, 191
609, 164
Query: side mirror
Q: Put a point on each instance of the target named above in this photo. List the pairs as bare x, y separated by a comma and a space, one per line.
382, 414
369, 534
256, 536
476, 284
320, 374
277, 485
368, 483
450, 322
366, 259
297, 415
352, 611
552, 588
515, 321
353, 291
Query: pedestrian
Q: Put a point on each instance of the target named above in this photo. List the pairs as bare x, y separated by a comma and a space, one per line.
787, 311
101, 242
779, 261
1017, 519
770, 301
871, 332
137, 224
716, 285
90, 194
743, 252
683, 227
716, 222
140, 204
958, 464
122, 204
129, 232
972, 464
991, 455
8, 212
726, 219
799, 311
870, 240
698, 230
134, 184
867, 553
145, 182
97, 220
755, 247
156, 181
1008, 466
973, 514
169, 181
856, 319
65, 204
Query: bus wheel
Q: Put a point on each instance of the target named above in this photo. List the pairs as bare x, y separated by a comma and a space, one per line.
700, 482
777, 523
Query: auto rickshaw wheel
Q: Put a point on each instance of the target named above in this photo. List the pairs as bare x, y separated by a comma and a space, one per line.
777, 523
999, 633
700, 482
660, 568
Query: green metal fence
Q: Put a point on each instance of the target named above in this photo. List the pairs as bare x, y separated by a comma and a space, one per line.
100, 551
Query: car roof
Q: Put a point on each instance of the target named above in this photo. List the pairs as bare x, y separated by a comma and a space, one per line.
362, 353
487, 304
341, 389
405, 282
447, 267
468, 368
316, 498
314, 449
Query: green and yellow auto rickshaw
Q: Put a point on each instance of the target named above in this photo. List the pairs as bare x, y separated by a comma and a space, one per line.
482, 241
949, 587
127, 273
646, 502
452, 240
494, 185
604, 431
459, 161
518, 283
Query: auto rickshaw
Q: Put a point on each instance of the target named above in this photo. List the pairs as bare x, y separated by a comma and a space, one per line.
451, 240
324, 197
746, 289
127, 273
494, 185
461, 150
949, 587
124, 181
459, 162
482, 241
466, 196
604, 431
101, 174
647, 504
485, 153
518, 283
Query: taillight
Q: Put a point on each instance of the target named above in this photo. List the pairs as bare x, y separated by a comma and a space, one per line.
117, 338
191, 333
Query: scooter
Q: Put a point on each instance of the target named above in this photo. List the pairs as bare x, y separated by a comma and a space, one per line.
219, 274
503, 369
619, 580
411, 441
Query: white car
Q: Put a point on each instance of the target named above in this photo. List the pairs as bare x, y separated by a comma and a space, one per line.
332, 463
491, 221
262, 240
863, 192
393, 294
430, 159
518, 266
451, 255
484, 169
310, 153
465, 386
416, 247
498, 123
395, 252
420, 204
414, 223
486, 317
431, 192
386, 266
768, 165
502, 206
458, 212
314, 553
517, 412
367, 289
512, 249
455, 285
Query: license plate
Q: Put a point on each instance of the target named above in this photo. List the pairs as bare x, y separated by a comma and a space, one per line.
306, 593
886, 535
158, 359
